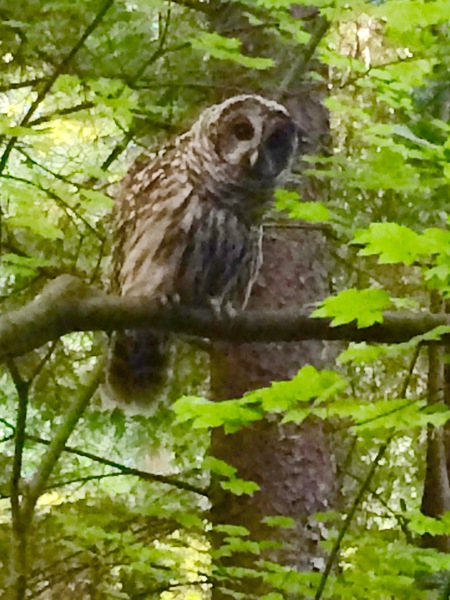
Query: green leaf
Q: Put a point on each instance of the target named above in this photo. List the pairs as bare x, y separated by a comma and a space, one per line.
239, 487
386, 169
232, 530
313, 212
96, 172
363, 306
231, 414
309, 384
405, 132
421, 524
219, 467
228, 48
362, 353
397, 414
42, 225
405, 15
6, 128
297, 415
280, 521
393, 243
438, 277
25, 265
405, 303
237, 544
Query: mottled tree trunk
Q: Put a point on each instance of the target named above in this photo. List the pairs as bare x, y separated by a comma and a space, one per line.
293, 464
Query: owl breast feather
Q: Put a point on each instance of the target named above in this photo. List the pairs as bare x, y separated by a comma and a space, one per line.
220, 260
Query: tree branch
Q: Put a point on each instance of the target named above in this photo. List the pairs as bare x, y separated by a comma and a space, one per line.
350, 515
56, 446
62, 112
299, 67
66, 304
124, 470
364, 487
18, 559
17, 85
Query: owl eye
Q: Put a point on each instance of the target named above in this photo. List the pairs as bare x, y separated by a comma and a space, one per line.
277, 137
243, 130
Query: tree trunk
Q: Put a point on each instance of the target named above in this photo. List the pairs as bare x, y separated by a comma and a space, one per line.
293, 464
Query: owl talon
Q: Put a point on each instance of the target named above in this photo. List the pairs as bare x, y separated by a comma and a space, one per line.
229, 311
216, 307
223, 310
173, 300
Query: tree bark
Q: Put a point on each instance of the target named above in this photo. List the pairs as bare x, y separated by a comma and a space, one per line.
293, 464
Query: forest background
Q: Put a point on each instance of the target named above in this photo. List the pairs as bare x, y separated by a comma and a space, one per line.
332, 482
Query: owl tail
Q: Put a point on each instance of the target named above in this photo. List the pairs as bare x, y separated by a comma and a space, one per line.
136, 366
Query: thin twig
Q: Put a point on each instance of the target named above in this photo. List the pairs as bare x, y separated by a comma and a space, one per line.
9, 425
402, 521
21, 84
300, 65
83, 480
61, 113
123, 144
361, 492
96, 271
165, 479
409, 374
350, 515
42, 362
49, 171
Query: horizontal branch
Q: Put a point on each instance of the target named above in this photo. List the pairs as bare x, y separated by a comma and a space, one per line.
123, 469
66, 304
62, 112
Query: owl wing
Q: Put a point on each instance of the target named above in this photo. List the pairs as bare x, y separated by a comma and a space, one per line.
152, 215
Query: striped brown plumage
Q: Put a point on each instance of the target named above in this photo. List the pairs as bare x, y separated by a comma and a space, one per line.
188, 225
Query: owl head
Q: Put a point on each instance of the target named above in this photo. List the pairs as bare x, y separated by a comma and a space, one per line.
253, 135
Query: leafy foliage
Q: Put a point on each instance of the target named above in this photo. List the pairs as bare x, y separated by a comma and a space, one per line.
366, 306
124, 511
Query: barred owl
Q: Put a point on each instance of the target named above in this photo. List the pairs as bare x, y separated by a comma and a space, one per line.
188, 225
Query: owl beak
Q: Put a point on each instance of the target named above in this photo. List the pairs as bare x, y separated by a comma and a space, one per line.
254, 158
